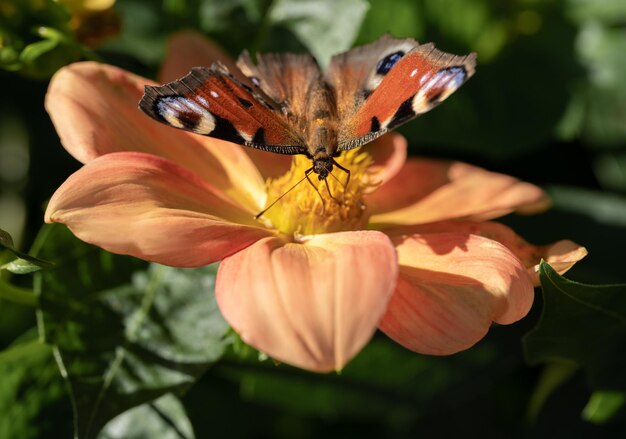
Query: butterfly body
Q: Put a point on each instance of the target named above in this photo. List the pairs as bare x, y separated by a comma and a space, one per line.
285, 104
321, 132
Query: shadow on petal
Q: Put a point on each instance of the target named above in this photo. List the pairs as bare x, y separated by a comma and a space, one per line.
434, 320
451, 287
562, 255
427, 191
389, 155
187, 49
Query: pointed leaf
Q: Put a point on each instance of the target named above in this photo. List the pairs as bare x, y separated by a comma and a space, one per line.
585, 324
604, 406
325, 27
24, 263
164, 418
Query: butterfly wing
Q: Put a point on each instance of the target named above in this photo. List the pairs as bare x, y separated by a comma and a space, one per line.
354, 74
398, 79
285, 78
212, 102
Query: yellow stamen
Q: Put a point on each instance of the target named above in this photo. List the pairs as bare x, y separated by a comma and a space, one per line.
309, 210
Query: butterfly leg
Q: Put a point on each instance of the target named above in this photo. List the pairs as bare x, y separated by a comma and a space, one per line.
306, 175
328, 189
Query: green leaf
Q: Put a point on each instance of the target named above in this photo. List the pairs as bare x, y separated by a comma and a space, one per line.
473, 23
56, 49
23, 266
164, 418
604, 406
610, 170
406, 16
33, 51
601, 50
34, 402
610, 11
604, 208
552, 377
5, 239
123, 335
585, 324
325, 27
24, 263
217, 15
15, 294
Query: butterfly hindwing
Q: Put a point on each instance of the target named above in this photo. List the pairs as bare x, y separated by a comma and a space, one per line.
397, 87
285, 78
211, 102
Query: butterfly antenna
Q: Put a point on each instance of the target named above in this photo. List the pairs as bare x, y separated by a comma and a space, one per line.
347, 171
306, 175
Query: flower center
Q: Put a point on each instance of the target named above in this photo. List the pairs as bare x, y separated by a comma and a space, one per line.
321, 206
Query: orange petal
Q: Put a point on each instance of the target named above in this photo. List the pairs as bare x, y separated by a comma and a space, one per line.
389, 154
562, 255
451, 287
426, 191
269, 164
94, 109
187, 49
313, 304
148, 207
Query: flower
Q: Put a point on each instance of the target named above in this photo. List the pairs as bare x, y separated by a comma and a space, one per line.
407, 248
93, 21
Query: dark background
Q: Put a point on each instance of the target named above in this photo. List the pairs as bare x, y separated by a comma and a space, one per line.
547, 105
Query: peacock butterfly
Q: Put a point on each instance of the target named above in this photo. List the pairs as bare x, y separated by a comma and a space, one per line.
285, 104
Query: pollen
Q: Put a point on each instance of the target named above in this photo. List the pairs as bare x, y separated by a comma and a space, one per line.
316, 206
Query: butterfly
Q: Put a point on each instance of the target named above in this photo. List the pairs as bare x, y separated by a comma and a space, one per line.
284, 103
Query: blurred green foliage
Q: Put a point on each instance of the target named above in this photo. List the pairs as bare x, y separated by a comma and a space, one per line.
548, 104
35, 37
123, 336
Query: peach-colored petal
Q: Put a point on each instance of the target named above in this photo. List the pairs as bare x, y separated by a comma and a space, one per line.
451, 287
94, 109
146, 206
269, 164
313, 304
389, 154
187, 49
427, 190
562, 255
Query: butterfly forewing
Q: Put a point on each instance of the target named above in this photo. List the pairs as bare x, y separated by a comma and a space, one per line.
407, 85
355, 74
209, 101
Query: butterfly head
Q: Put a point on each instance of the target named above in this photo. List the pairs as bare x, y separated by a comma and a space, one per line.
322, 165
